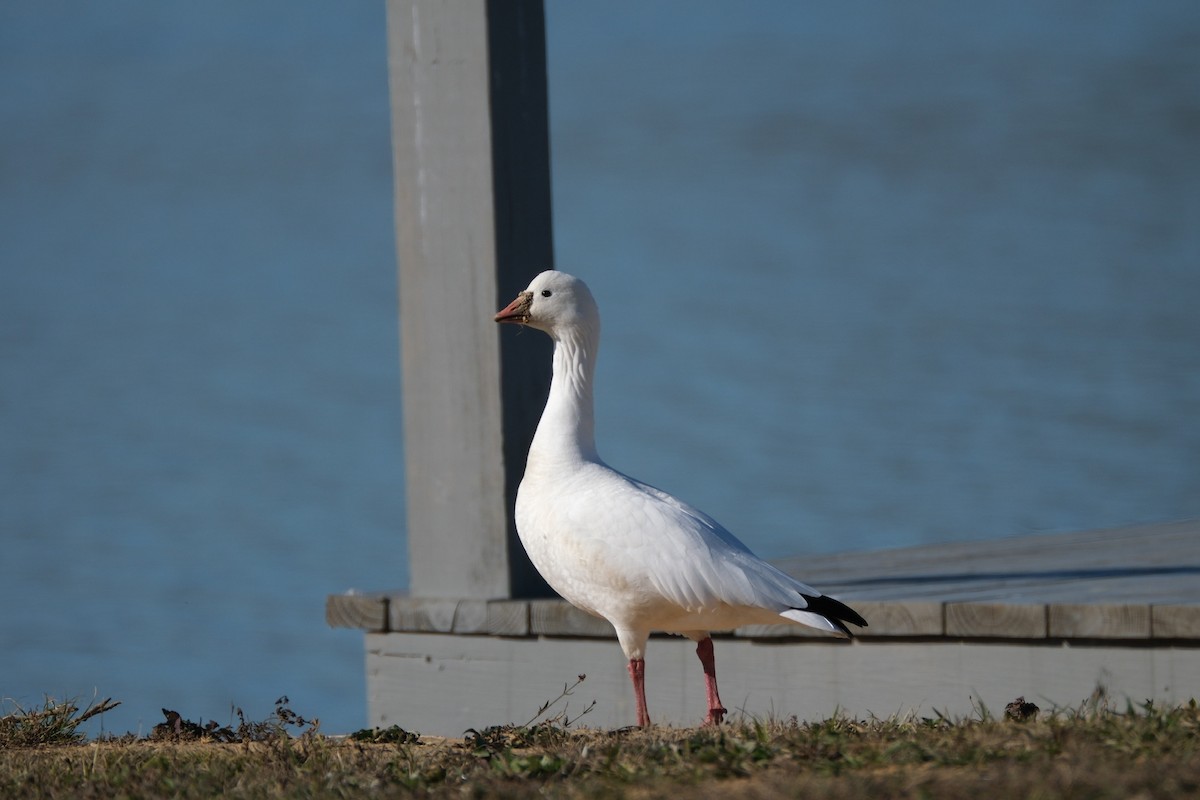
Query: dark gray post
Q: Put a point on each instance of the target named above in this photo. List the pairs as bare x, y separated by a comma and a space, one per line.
472, 185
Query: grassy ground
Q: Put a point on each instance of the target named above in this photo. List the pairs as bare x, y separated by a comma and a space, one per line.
1090, 753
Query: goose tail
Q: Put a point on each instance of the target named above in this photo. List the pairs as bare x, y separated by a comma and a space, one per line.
824, 613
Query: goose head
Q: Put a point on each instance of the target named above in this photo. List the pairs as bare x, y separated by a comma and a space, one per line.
556, 303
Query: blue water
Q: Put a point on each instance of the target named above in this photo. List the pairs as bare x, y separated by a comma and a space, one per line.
871, 275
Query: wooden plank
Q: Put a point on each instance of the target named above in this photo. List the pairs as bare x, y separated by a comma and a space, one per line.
471, 616
1175, 622
560, 618
887, 619
441, 685
438, 78
1171, 544
508, 618
464, 161
901, 618
1085, 550
995, 620
430, 614
1139, 564
363, 611
1087, 621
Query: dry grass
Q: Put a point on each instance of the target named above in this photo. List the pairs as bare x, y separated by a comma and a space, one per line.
54, 723
1091, 752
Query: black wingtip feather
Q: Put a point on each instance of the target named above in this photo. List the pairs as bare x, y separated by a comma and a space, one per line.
835, 611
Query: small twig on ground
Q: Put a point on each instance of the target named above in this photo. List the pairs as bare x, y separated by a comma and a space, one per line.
567, 691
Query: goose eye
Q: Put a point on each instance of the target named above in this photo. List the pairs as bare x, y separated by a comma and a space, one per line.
546, 292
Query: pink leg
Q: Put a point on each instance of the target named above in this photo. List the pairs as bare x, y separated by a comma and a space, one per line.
716, 712
637, 673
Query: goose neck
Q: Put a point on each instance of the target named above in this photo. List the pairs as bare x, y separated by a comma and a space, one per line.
567, 428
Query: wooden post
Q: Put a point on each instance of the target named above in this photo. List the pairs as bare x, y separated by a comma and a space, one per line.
470, 148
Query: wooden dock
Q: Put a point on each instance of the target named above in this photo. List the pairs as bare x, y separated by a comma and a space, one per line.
1056, 618
951, 626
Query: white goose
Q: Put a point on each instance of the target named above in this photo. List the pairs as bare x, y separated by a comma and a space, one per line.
620, 549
